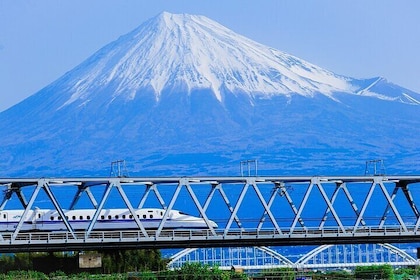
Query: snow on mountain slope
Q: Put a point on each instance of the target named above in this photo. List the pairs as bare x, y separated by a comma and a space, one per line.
380, 88
193, 51
183, 95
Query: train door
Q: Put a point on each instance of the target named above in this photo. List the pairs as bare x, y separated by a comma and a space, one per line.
36, 218
4, 221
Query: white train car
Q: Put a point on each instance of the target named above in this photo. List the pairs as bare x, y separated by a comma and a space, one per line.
108, 219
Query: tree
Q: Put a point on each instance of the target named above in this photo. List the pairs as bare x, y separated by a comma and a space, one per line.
280, 273
197, 271
118, 261
374, 272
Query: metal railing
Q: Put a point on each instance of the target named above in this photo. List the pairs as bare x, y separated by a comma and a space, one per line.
166, 237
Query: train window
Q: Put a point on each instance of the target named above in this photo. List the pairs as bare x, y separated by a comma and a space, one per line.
109, 217
39, 215
52, 218
59, 217
144, 216
123, 216
161, 213
138, 216
73, 218
117, 217
80, 217
88, 217
67, 217
151, 216
4, 216
102, 217
131, 216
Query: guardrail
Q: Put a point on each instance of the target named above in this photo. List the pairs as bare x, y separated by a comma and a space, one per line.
31, 241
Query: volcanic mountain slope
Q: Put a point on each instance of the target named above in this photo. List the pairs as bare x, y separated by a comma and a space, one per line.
182, 94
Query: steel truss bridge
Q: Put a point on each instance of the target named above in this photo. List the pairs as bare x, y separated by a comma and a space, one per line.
322, 257
249, 211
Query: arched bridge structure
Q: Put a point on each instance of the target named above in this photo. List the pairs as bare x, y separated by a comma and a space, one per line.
234, 211
322, 257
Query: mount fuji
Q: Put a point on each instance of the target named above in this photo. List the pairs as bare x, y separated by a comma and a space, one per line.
184, 95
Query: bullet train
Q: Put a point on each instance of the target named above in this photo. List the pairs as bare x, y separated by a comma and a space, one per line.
108, 219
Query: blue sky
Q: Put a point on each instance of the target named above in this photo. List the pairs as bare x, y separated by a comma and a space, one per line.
40, 40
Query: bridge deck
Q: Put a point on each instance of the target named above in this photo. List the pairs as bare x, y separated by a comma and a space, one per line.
62, 241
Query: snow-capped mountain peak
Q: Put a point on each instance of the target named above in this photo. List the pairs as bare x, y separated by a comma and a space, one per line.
183, 95
194, 52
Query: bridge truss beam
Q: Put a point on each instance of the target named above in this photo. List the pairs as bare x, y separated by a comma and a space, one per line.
266, 210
